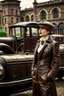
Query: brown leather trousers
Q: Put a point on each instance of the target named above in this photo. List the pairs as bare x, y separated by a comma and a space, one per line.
43, 89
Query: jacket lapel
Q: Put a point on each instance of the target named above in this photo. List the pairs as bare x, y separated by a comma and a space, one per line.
37, 45
47, 42
44, 46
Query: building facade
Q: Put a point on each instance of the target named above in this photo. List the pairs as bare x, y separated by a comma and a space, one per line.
10, 13
52, 11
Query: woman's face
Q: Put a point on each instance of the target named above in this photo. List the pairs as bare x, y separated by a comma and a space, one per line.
43, 32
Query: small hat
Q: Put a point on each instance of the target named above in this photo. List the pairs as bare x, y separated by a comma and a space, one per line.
48, 25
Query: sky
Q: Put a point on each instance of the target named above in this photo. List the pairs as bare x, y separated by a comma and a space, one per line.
28, 3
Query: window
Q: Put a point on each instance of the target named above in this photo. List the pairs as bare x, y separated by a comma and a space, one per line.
61, 31
16, 20
11, 20
55, 13
12, 33
22, 31
27, 18
2, 21
34, 32
55, 30
32, 18
61, 28
4, 12
22, 19
19, 31
5, 20
43, 15
12, 11
16, 12
27, 32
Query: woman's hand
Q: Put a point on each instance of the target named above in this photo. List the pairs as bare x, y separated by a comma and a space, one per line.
44, 79
32, 73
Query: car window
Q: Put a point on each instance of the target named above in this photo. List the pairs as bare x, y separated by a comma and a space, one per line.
18, 32
12, 33
27, 32
34, 32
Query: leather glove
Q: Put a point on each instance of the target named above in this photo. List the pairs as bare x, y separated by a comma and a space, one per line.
32, 73
49, 79
43, 79
46, 79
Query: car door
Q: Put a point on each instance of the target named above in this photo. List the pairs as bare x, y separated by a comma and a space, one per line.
34, 37
31, 37
27, 39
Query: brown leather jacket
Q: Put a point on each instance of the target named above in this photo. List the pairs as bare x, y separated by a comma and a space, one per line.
49, 58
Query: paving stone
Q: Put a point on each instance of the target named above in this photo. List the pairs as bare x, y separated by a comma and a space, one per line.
59, 87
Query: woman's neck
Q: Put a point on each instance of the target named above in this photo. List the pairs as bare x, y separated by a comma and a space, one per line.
44, 38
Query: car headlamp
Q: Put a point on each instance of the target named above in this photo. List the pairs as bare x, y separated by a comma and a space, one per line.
1, 70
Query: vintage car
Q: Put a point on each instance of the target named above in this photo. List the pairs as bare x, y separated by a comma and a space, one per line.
15, 73
11, 41
15, 66
60, 38
27, 34
6, 49
22, 36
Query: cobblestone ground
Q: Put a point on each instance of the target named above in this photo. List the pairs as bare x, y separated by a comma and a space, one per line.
59, 86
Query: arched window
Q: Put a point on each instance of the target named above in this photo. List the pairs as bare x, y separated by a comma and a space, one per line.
55, 30
55, 13
5, 20
16, 20
22, 19
61, 28
12, 20
43, 15
2, 20
16, 12
4, 12
12, 11
27, 18
32, 17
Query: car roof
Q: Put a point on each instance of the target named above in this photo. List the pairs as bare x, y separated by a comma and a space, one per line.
32, 23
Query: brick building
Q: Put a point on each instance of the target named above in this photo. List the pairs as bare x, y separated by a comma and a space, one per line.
10, 13
53, 11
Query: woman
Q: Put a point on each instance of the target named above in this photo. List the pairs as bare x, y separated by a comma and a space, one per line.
46, 62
